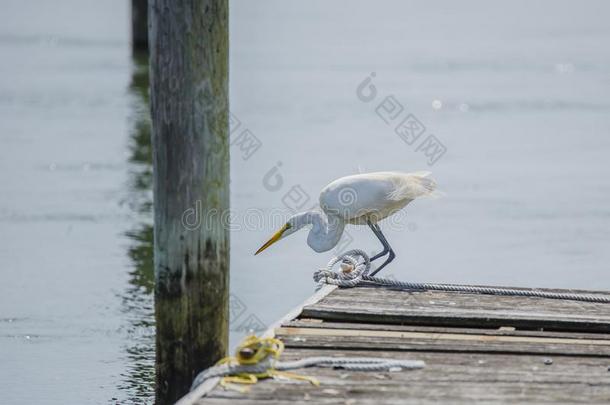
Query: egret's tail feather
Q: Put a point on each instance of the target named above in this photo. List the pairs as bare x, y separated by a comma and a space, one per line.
413, 185
428, 185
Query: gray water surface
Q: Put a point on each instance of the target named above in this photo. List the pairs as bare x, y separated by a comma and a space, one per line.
516, 92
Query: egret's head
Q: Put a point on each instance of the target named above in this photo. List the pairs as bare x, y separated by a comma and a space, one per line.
289, 228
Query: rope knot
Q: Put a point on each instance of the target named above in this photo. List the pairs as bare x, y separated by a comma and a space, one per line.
258, 358
254, 358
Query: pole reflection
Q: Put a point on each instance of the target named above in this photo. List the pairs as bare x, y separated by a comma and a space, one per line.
137, 299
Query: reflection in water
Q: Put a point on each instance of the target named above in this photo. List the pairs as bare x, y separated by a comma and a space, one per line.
137, 299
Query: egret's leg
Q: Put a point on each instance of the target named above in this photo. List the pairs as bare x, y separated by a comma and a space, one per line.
387, 249
382, 239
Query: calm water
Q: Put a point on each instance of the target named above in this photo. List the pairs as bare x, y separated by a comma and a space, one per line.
517, 93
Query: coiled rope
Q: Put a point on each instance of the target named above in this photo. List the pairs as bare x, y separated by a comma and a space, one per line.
257, 358
354, 272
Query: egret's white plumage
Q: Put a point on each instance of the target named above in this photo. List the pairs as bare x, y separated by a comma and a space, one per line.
373, 196
360, 199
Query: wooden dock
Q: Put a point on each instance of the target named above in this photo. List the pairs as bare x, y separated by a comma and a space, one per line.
477, 348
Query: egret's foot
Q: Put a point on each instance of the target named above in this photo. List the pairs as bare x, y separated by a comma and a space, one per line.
380, 254
391, 256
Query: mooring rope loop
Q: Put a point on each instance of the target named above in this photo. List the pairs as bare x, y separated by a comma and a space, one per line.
354, 272
257, 358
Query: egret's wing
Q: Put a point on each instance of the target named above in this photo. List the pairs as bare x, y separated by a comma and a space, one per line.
352, 196
380, 193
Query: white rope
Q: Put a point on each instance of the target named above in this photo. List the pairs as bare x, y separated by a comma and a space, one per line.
346, 363
352, 363
355, 272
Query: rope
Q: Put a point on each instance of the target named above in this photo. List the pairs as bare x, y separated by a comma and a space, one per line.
258, 358
354, 272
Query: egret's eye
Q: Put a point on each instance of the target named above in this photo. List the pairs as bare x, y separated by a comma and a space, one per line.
288, 226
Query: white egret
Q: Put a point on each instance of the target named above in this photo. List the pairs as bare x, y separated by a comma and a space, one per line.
361, 199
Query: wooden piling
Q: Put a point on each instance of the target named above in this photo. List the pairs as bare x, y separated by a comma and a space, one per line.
189, 89
139, 25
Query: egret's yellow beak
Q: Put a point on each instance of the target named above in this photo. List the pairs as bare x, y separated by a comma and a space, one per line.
273, 239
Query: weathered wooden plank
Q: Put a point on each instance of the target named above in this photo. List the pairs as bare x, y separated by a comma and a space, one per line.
429, 341
378, 305
500, 331
423, 393
447, 377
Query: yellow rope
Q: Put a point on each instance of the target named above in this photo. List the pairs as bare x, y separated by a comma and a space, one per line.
252, 350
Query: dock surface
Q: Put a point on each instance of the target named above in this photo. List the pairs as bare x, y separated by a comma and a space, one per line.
477, 348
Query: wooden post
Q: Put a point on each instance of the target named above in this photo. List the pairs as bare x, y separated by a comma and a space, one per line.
189, 45
139, 25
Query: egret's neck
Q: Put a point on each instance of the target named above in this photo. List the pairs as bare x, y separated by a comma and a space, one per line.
326, 231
